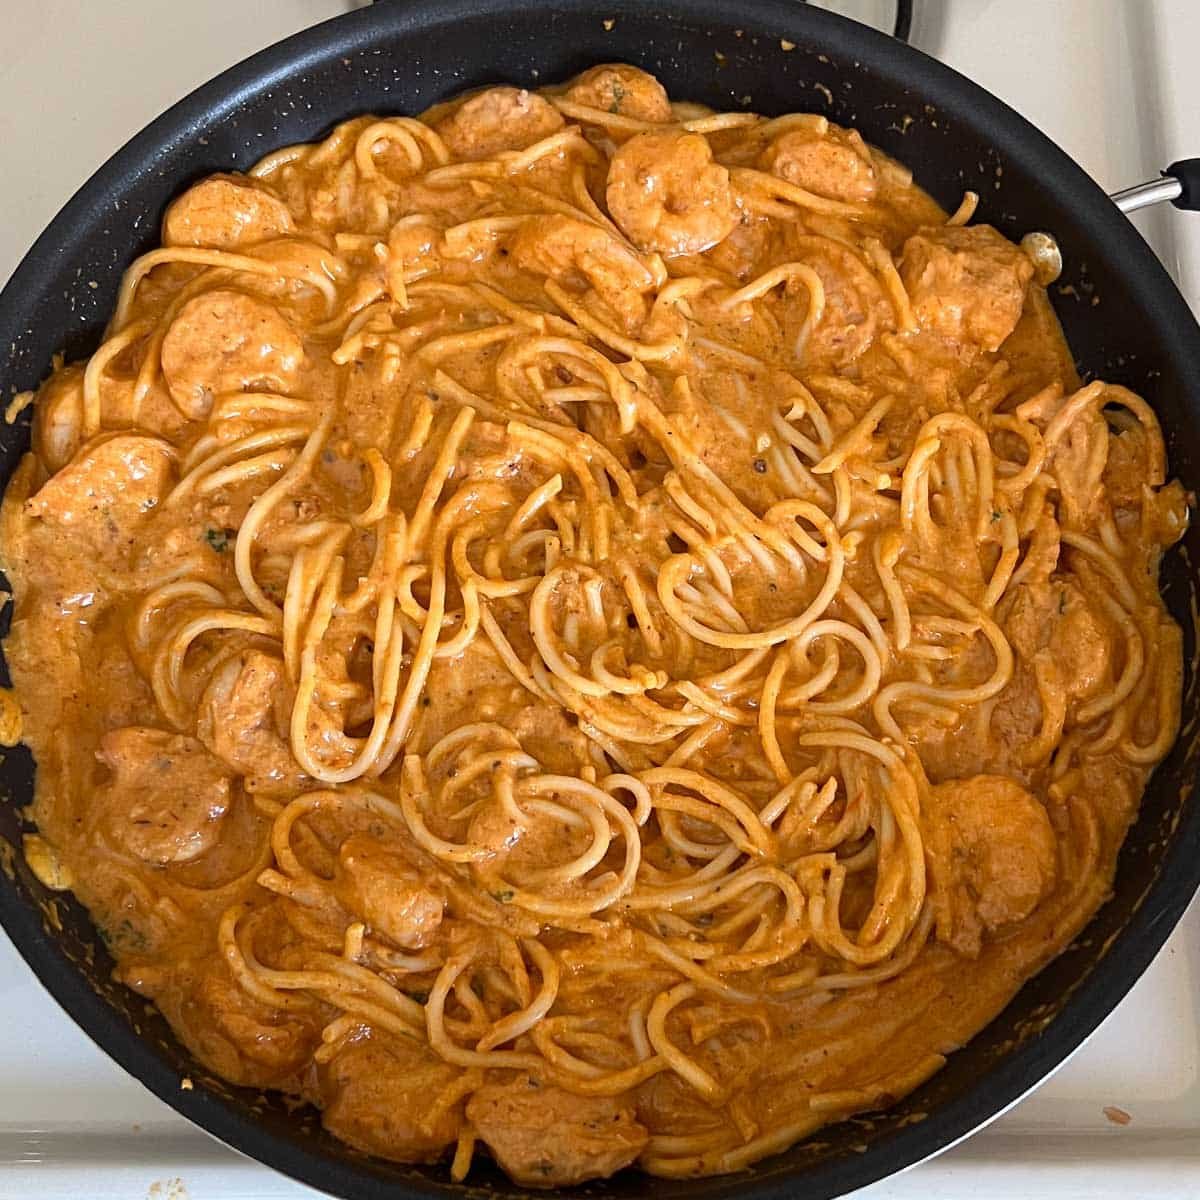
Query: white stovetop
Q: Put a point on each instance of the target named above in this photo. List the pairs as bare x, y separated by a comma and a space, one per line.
1114, 82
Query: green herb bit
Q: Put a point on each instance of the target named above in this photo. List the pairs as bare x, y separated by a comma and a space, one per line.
219, 539
124, 936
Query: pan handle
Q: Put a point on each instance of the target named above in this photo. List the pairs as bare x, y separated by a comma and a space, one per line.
1179, 183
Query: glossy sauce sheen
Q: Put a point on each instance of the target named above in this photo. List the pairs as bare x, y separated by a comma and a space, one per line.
586, 626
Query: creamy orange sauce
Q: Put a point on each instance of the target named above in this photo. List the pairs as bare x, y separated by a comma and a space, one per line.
587, 627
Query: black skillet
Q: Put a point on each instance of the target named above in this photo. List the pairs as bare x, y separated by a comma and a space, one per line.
1124, 318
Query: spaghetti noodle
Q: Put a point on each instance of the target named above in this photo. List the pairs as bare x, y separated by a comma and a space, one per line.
559, 625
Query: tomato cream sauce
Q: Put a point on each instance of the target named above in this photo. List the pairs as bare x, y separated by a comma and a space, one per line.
585, 628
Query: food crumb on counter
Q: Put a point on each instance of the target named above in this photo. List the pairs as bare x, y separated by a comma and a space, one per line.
1118, 1116
167, 1189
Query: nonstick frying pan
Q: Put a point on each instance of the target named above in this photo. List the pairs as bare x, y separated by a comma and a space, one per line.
1123, 317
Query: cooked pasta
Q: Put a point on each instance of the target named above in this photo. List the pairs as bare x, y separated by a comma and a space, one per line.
586, 628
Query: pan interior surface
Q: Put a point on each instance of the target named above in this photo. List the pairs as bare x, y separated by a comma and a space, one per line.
1122, 317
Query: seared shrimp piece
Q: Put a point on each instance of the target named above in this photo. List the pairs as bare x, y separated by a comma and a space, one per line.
501, 118
226, 212
836, 163
575, 252
966, 284
378, 1094
546, 1137
386, 893
168, 795
227, 341
621, 89
668, 195
994, 854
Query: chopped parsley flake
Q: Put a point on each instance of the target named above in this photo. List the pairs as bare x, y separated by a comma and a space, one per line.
219, 539
124, 936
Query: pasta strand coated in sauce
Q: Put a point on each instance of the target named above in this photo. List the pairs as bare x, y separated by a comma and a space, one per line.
586, 627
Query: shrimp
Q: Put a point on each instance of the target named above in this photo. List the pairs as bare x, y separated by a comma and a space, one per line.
565, 249
622, 90
668, 195
994, 857
501, 118
836, 163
